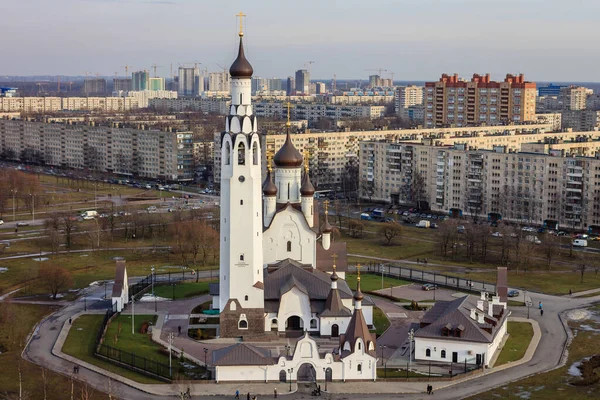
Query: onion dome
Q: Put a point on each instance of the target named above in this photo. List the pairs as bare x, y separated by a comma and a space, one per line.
358, 295
334, 277
288, 156
307, 188
241, 68
269, 188
327, 228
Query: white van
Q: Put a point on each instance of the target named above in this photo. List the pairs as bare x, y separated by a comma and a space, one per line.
89, 214
580, 243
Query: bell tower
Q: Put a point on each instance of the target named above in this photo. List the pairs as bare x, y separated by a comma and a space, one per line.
241, 289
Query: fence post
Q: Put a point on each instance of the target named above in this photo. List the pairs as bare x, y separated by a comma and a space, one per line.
422, 275
450, 369
410, 269
407, 364
465, 365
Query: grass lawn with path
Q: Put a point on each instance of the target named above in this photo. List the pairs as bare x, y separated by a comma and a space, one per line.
81, 343
380, 320
557, 384
372, 282
517, 343
183, 290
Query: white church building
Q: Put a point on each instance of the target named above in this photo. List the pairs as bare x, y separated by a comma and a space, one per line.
276, 257
278, 264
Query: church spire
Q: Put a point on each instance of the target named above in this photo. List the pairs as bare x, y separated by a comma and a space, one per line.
241, 68
357, 336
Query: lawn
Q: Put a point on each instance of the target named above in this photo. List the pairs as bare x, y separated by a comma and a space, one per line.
380, 320
517, 343
398, 373
371, 282
142, 345
557, 384
16, 320
183, 290
81, 344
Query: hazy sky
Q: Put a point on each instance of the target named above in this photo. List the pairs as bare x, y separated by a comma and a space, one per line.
547, 40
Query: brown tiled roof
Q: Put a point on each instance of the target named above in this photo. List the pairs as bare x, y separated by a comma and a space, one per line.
325, 261
316, 283
259, 285
242, 354
457, 313
357, 328
334, 306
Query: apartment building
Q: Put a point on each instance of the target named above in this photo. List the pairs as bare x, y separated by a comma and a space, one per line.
94, 86
554, 119
580, 120
211, 105
52, 104
538, 188
329, 152
137, 151
219, 82
573, 97
314, 112
452, 101
302, 81
407, 96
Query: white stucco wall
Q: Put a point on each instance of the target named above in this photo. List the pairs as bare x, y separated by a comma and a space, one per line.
306, 351
327, 323
465, 350
289, 225
295, 303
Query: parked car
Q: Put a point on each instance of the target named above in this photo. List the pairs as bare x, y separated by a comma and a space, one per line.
461, 229
580, 243
513, 293
561, 233
433, 225
429, 286
21, 223
1, 222
533, 239
366, 216
497, 234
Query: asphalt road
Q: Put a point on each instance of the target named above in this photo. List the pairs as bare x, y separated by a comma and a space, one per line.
546, 357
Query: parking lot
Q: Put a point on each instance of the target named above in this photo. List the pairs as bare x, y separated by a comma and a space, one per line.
415, 292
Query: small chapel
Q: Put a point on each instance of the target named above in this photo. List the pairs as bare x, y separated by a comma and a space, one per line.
281, 274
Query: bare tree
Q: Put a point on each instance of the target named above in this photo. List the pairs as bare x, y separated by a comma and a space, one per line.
417, 188
446, 233
550, 246
356, 228
69, 224
482, 234
389, 231
55, 278
471, 237
367, 188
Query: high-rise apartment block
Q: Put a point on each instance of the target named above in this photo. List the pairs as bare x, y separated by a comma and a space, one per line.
122, 84
291, 86
219, 81
573, 97
156, 83
140, 80
455, 102
94, 85
320, 88
274, 84
190, 82
302, 81
407, 96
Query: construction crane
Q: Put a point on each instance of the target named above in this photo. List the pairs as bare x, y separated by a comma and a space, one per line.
126, 69
154, 66
379, 70
41, 90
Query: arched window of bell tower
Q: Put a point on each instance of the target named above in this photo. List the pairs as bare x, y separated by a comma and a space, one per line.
255, 153
227, 153
241, 154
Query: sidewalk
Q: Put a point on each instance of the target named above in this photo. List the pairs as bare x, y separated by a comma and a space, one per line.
584, 293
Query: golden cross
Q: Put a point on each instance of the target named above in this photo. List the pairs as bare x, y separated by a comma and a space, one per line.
358, 266
326, 202
241, 15
306, 154
334, 256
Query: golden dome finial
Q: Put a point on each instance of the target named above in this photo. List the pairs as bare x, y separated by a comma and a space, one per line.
326, 202
334, 256
358, 267
241, 15
288, 123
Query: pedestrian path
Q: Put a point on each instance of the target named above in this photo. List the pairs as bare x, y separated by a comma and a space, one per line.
585, 293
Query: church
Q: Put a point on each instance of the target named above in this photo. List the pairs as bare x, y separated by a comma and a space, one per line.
281, 274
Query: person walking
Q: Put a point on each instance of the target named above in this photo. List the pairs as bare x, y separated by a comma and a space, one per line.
237, 394
179, 330
540, 305
570, 292
248, 398
542, 312
275, 393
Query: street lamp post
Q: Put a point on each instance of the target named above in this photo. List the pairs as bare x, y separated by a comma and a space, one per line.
132, 315
411, 336
171, 338
290, 370
287, 350
325, 372
32, 208
205, 364
14, 192
152, 280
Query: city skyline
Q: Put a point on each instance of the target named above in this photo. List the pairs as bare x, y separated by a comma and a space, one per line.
101, 36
